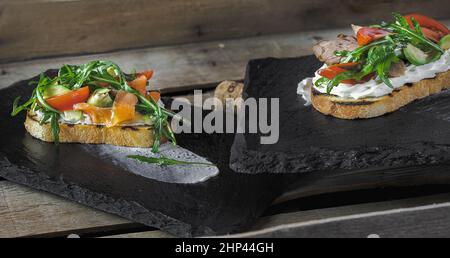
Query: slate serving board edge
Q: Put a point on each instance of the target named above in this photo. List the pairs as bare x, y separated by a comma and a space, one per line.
264, 79
121, 207
227, 203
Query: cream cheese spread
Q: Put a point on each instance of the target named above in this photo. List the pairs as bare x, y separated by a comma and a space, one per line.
86, 120
374, 87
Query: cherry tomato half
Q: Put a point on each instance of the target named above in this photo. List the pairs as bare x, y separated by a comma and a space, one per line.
334, 70
366, 35
66, 101
431, 28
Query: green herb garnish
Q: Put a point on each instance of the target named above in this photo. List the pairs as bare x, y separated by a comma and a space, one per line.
164, 161
92, 74
377, 57
322, 82
405, 33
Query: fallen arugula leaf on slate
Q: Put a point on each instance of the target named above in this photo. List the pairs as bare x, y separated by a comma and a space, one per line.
164, 161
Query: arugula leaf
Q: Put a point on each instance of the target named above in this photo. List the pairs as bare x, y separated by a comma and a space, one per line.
164, 161
382, 69
322, 82
42, 101
417, 27
379, 61
338, 79
54, 123
400, 20
378, 56
403, 30
67, 76
75, 76
45, 117
358, 54
342, 53
17, 109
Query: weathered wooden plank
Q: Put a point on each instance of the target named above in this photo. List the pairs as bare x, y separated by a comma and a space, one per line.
20, 225
347, 210
182, 68
179, 68
364, 179
82, 26
189, 98
419, 222
281, 221
418, 217
26, 212
145, 234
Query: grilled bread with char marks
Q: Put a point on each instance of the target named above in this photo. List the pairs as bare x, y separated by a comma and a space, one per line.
372, 107
130, 136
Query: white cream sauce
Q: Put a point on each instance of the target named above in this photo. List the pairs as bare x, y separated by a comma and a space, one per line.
86, 120
375, 87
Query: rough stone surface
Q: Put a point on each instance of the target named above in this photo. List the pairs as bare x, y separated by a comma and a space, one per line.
410, 146
226, 203
309, 141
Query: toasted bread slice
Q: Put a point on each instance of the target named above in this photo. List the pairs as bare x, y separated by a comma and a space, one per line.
372, 107
130, 136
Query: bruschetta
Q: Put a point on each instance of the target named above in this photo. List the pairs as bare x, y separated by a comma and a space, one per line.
381, 68
96, 103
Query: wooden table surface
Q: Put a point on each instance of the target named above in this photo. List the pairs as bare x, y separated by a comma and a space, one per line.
25, 212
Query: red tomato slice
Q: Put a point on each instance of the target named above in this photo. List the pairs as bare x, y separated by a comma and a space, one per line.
366, 35
334, 70
123, 108
66, 101
97, 115
431, 34
429, 25
148, 74
155, 95
139, 84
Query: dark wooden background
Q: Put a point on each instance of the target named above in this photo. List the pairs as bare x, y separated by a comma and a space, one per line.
41, 28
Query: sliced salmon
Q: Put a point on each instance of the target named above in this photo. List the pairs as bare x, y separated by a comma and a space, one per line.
124, 108
97, 115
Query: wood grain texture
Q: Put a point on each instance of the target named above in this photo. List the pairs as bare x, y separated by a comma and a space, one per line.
83, 26
347, 210
27, 212
286, 222
417, 222
184, 67
145, 234
364, 179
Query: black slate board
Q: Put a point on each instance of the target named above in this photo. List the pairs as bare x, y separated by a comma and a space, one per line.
416, 135
409, 147
226, 203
